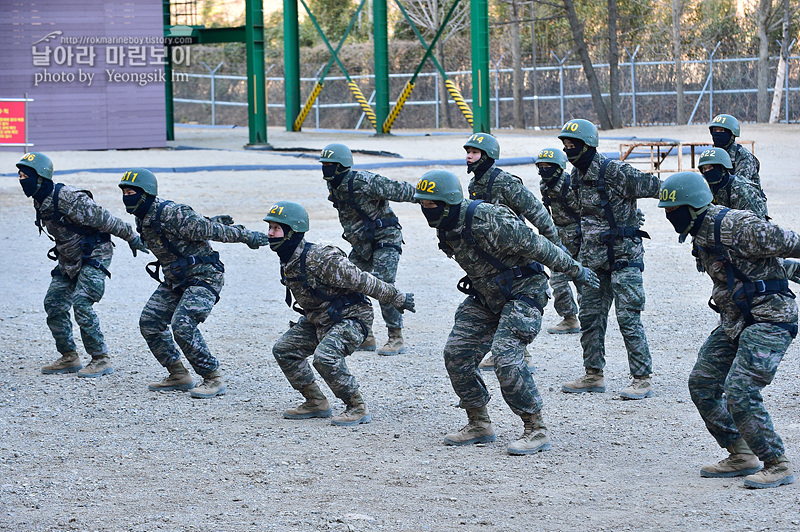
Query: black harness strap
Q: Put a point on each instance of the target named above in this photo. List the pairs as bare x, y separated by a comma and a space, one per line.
179, 267
562, 201
337, 303
615, 232
506, 274
743, 297
488, 195
91, 236
370, 225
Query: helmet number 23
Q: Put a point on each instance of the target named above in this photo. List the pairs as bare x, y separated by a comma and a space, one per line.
426, 186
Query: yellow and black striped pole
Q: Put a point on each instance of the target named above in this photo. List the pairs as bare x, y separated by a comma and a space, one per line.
459, 99
387, 124
362, 101
301, 117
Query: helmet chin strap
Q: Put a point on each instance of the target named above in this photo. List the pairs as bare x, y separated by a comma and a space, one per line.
694, 213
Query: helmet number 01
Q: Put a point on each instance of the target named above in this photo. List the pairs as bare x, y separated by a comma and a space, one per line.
667, 195
720, 119
426, 186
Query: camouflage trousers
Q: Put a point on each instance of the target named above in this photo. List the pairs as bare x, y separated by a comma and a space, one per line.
625, 289
79, 294
329, 349
383, 265
563, 299
183, 312
726, 383
476, 331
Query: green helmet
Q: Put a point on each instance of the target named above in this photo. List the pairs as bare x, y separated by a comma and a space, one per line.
140, 178
289, 213
554, 156
715, 156
726, 121
337, 153
685, 188
440, 185
39, 162
582, 130
486, 143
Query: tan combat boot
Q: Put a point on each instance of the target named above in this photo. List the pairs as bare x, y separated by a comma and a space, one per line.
394, 345
368, 344
775, 473
69, 362
533, 439
487, 364
568, 325
741, 462
479, 429
355, 413
212, 386
316, 404
178, 379
593, 381
639, 388
100, 365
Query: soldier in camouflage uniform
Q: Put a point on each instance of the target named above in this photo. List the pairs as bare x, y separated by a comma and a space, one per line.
560, 200
758, 320
730, 190
372, 229
507, 291
611, 245
491, 184
82, 231
724, 130
193, 279
336, 316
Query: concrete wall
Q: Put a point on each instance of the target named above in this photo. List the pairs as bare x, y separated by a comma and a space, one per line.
91, 66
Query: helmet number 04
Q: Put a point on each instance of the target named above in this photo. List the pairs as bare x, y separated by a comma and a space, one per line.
667, 195
426, 186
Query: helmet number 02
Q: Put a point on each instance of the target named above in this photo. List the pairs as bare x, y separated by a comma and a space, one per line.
426, 186
666, 195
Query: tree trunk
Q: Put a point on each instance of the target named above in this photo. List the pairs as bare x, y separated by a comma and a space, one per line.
516, 57
533, 73
678, 55
613, 64
763, 9
588, 70
781, 76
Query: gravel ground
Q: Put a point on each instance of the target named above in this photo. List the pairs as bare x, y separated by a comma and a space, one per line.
106, 454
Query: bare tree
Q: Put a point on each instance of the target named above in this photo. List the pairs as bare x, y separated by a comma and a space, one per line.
428, 16
613, 63
583, 53
517, 82
677, 53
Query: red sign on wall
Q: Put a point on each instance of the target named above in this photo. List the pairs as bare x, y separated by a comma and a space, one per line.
12, 123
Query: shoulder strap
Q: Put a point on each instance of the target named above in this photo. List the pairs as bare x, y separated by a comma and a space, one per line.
469, 238
159, 229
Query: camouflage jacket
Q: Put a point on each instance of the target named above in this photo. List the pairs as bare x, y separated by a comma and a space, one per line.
745, 163
189, 232
754, 247
624, 184
742, 195
508, 190
501, 234
560, 200
79, 209
371, 194
328, 270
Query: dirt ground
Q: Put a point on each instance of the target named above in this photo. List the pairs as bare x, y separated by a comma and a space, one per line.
106, 454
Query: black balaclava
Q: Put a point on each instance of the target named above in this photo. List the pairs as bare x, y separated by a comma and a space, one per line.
481, 165
722, 139
550, 173
138, 204
443, 216
686, 220
334, 173
34, 186
717, 177
581, 155
285, 245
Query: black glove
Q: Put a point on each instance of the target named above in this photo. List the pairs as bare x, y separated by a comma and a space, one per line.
225, 219
138, 245
640, 215
404, 302
587, 277
257, 239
